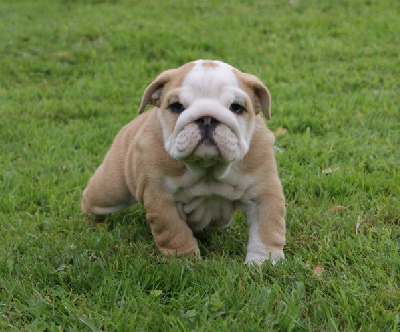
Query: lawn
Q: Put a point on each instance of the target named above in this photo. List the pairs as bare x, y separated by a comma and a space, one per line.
73, 72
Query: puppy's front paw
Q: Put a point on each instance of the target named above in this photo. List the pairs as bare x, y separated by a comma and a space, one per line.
181, 252
259, 256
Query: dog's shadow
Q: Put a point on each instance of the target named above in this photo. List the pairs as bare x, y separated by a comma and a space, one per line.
132, 223
230, 241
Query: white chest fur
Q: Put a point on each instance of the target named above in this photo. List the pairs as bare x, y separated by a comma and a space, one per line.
202, 200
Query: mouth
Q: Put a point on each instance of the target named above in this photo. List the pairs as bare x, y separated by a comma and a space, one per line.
202, 162
205, 154
206, 157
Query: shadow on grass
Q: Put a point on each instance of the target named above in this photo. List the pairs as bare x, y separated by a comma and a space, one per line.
230, 241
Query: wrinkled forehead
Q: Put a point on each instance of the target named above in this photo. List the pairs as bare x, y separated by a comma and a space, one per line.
211, 79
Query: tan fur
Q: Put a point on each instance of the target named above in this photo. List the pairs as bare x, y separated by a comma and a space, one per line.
209, 64
137, 168
167, 80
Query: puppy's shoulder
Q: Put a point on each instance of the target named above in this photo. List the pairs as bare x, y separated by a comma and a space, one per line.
147, 146
137, 124
261, 151
262, 135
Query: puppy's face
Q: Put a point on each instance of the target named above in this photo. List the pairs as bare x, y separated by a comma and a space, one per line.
207, 112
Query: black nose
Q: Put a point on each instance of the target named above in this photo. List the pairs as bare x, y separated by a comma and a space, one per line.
207, 121
207, 125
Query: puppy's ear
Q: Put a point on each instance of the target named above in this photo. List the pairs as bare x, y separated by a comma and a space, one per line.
263, 97
152, 94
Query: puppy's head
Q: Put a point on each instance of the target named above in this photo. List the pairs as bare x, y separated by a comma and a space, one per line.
207, 112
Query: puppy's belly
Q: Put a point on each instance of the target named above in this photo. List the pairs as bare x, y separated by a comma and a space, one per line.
206, 211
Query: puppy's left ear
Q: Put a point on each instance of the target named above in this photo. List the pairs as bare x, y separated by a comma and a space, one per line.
263, 97
152, 94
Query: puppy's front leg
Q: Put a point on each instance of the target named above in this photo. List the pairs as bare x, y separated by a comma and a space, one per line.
171, 234
265, 218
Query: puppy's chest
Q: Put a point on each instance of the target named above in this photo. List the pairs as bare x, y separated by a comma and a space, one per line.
204, 201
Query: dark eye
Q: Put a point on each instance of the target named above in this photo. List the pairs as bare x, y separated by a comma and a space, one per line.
176, 107
237, 108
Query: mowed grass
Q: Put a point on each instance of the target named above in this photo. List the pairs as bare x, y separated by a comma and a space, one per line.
72, 73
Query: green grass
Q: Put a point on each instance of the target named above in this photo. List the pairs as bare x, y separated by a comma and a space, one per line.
72, 73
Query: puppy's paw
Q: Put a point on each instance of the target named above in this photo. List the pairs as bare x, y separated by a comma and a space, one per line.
191, 251
259, 256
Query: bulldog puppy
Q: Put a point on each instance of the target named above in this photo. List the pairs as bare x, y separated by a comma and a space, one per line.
201, 154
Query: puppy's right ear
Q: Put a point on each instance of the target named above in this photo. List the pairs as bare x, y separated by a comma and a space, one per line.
152, 94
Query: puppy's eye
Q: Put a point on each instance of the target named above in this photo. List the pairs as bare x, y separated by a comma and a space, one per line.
237, 108
176, 107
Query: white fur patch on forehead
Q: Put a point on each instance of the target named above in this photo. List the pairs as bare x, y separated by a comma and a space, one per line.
209, 79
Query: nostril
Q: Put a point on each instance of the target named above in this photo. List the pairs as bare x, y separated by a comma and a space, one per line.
207, 121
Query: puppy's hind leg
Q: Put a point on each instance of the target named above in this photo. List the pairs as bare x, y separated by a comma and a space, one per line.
106, 191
